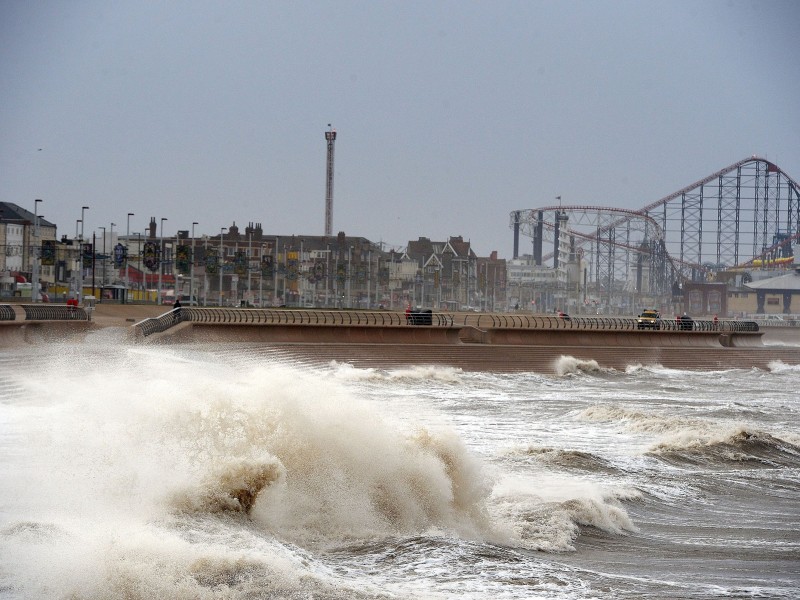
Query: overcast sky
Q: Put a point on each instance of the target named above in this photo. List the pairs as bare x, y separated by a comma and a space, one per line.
449, 114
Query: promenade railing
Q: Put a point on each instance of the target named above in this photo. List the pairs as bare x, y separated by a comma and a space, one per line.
266, 316
54, 312
44, 312
514, 321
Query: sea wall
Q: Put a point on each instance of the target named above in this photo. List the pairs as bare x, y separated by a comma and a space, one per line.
454, 335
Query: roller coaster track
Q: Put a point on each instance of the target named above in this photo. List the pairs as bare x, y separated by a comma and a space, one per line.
746, 211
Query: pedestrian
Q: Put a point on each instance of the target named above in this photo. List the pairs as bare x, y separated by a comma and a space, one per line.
176, 310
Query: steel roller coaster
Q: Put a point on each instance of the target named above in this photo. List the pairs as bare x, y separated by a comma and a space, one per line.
745, 214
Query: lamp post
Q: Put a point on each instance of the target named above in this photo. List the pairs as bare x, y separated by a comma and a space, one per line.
275, 274
161, 259
110, 247
327, 275
261, 278
221, 259
140, 266
191, 268
127, 264
349, 273
249, 257
80, 256
35, 253
103, 279
205, 270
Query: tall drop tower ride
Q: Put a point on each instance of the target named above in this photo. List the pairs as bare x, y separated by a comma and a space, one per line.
330, 137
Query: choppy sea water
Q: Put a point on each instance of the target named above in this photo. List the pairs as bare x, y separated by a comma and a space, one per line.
226, 472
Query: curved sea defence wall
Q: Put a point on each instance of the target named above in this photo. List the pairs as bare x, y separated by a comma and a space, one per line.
384, 339
327, 327
455, 335
470, 342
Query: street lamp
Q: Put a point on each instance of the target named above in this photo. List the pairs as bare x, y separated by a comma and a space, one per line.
221, 259
349, 273
127, 267
161, 259
80, 255
191, 268
111, 248
103, 280
83, 218
35, 253
249, 258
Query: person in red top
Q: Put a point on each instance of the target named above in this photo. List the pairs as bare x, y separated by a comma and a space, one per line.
72, 306
408, 313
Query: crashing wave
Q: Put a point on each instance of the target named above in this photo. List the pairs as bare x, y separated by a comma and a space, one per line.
569, 365
232, 487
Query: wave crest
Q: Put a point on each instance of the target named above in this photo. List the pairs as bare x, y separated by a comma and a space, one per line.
569, 365
423, 373
547, 513
567, 459
736, 445
232, 487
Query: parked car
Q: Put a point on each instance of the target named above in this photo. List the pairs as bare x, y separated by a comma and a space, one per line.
649, 319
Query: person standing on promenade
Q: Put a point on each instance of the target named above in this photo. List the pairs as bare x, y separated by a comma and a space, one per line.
72, 307
176, 310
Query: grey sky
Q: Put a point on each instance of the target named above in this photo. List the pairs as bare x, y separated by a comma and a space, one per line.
449, 114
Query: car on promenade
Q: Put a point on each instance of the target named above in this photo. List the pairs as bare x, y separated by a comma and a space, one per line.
649, 319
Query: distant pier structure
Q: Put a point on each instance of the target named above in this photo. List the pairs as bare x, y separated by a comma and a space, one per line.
330, 138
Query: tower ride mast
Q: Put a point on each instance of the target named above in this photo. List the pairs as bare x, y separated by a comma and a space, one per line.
330, 137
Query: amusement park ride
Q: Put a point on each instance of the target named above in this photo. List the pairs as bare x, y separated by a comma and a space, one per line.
743, 216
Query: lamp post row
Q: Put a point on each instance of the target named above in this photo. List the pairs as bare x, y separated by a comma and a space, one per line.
80, 236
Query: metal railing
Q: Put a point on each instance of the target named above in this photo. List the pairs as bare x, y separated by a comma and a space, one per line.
777, 322
501, 321
162, 323
44, 312
265, 316
54, 312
